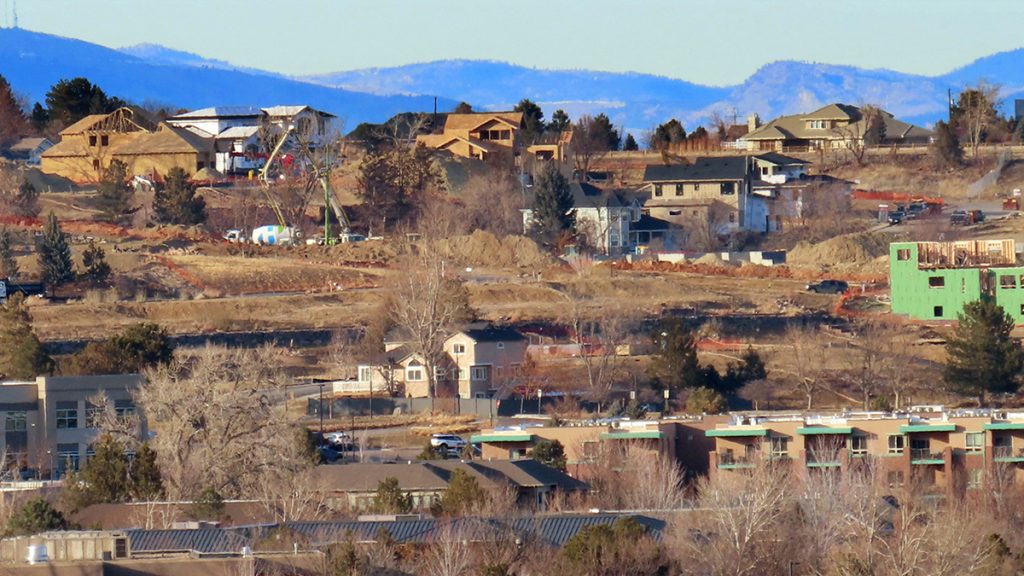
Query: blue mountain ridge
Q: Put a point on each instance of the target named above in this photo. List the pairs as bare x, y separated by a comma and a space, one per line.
33, 61
637, 102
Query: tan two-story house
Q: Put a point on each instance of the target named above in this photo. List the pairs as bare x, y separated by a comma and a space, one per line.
479, 360
835, 126
480, 135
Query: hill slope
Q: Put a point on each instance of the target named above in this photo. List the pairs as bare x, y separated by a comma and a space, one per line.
32, 62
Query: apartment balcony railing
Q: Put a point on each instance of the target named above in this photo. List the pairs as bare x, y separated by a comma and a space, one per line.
925, 456
1007, 454
730, 462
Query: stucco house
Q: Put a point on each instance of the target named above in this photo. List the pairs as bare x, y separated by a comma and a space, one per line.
478, 361
835, 126
604, 217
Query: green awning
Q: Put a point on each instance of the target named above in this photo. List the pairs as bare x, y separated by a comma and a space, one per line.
501, 438
638, 435
1005, 426
911, 428
807, 431
733, 432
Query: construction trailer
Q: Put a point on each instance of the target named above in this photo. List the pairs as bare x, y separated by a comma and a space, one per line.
934, 280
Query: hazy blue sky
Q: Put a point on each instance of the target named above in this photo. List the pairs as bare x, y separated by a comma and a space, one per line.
707, 41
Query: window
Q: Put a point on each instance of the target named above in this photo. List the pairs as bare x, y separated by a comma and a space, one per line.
67, 457
895, 478
937, 311
93, 415
780, 447
732, 217
896, 443
92, 141
696, 187
95, 164
458, 349
67, 414
975, 441
858, 445
675, 212
728, 188
678, 189
936, 282
414, 374
463, 374
657, 189
1007, 282
975, 477
365, 373
903, 254
506, 134
764, 171
16, 421
480, 373
124, 408
104, 140
615, 242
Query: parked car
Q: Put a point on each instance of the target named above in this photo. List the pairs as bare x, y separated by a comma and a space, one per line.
828, 287
896, 217
447, 442
959, 218
976, 216
339, 440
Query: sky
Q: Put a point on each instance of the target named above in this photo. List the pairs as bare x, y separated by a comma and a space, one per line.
716, 42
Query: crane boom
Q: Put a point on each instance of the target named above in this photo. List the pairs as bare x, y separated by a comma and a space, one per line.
265, 180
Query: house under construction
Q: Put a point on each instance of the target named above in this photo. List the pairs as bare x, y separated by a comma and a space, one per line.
933, 280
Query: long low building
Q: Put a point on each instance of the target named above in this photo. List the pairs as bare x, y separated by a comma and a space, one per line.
935, 451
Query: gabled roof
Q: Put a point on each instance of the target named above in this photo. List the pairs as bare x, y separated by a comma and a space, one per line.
469, 122
166, 140
238, 132
493, 334
221, 112
288, 111
83, 124
648, 223
837, 111
28, 144
794, 127
703, 169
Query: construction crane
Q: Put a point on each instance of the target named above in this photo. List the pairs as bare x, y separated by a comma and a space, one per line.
331, 202
265, 179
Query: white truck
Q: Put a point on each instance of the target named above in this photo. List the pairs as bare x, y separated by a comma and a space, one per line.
269, 235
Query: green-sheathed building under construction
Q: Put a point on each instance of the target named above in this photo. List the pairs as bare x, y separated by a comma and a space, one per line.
933, 280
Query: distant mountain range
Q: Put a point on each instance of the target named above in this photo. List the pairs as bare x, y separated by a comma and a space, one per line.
151, 73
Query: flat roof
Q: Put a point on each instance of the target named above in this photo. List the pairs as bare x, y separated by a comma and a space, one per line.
809, 430
910, 428
733, 432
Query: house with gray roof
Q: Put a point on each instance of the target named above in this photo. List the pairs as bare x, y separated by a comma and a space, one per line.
603, 217
833, 127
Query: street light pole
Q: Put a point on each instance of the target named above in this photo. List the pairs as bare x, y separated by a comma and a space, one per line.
540, 396
321, 411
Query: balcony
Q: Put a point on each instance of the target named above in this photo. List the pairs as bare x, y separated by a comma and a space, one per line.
828, 460
1006, 454
730, 462
924, 456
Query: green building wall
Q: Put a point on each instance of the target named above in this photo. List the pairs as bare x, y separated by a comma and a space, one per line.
915, 291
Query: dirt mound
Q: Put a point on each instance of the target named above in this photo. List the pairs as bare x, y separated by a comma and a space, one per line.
712, 259
485, 249
849, 249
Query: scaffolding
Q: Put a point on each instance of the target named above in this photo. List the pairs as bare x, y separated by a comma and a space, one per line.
966, 254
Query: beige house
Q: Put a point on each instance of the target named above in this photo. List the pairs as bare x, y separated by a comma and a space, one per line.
933, 451
49, 422
480, 135
835, 126
479, 360
87, 147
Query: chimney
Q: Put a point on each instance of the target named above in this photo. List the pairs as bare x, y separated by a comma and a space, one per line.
753, 122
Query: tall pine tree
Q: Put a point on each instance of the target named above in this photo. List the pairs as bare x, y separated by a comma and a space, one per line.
144, 479
21, 355
55, 255
175, 201
982, 357
554, 217
8, 265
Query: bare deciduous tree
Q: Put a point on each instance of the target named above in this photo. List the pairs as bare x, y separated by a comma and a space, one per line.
450, 552
808, 355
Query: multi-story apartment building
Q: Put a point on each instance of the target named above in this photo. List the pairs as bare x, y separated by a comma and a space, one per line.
941, 451
49, 422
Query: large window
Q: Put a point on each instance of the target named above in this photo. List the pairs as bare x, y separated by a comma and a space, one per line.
16, 421
124, 408
365, 373
414, 374
479, 373
67, 457
896, 444
780, 447
858, 445
728, 188
67, 414
458, 348
975, 441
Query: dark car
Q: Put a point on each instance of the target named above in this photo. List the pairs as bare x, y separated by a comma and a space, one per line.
959, 218
828, 287
896, 217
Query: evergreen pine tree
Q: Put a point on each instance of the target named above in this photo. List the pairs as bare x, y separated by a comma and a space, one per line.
390, 499
982, 357
144, 479
675, 365
630, 144
553, 214
559, 121
26, 202
103, 478
114, 193
462, 495
21, 355
40, 117
175, 201
55, 255
37, 515
8, 264
945, 147
94, 260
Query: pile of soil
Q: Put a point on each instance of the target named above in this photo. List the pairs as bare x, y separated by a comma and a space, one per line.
712, 259
486, 250
847, 250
